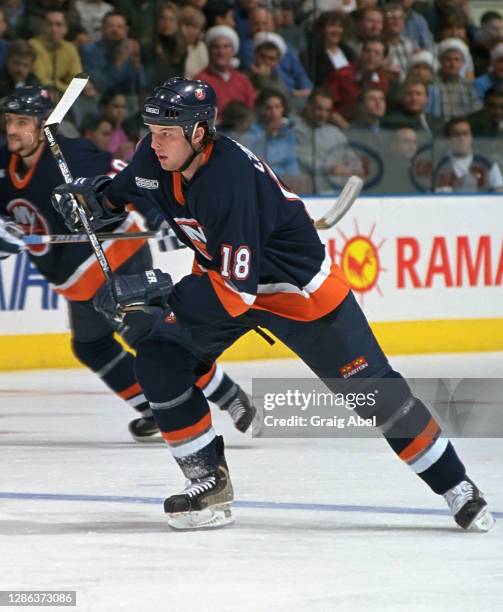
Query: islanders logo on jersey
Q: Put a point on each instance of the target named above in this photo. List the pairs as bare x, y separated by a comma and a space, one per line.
195, 233
32, 222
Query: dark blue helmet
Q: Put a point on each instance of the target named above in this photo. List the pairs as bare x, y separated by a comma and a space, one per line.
182, 102
30, 100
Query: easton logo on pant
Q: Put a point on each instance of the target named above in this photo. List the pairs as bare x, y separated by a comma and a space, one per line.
357, 365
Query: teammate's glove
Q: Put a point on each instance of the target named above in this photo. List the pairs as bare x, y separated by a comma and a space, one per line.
10, 238
148, 291
90, 191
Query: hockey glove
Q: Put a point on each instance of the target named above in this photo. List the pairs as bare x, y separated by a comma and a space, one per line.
148, 291
89, 191
10, 238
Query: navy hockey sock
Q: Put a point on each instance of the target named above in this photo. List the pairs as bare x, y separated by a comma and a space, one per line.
115, 366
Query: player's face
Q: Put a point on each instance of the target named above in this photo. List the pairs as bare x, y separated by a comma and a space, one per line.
170, 146
22, 133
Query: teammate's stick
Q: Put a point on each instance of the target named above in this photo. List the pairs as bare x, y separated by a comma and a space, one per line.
71, 94
102, 236
346, 199
341, 206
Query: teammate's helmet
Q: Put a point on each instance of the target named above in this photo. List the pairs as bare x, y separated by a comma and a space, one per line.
182, 102
30, 100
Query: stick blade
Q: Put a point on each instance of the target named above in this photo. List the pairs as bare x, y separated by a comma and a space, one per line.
72, 92
344, 202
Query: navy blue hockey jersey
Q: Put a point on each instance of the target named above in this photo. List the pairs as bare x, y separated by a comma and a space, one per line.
72, 268
255, 244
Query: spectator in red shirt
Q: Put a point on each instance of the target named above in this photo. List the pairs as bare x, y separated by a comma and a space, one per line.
228, 83
346, 84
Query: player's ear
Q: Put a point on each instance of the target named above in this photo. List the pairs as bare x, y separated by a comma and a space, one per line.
198, 136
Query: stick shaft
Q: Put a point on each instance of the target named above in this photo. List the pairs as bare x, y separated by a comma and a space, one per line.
55, 149
76, 238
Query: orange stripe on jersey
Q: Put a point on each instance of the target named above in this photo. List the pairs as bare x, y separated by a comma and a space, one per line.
203, 380
130, 392
197, 268
24, 182
231, 300
420, 442
87, 284
328, 296
190, 432
177, 177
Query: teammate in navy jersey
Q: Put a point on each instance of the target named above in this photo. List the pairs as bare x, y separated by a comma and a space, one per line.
28, 176
258, 261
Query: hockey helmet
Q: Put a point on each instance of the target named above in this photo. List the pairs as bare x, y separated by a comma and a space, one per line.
182, 102
29, 100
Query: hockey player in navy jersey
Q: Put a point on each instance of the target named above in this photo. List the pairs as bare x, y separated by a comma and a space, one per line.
258, 261
28, 176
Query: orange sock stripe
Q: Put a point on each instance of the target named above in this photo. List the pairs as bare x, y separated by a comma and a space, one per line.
187, 433
203, 380
130, 392
420, 442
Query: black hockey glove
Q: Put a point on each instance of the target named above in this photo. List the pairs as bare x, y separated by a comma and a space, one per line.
10, 238
148, 291
90, 192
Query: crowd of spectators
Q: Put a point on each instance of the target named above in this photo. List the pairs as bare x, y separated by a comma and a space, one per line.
406, 94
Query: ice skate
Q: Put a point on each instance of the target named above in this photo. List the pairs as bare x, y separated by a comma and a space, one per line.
144, 429
468, 507
205, 503
241, 410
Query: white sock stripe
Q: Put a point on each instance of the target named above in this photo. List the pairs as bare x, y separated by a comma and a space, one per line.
214, 383
232, 391
431, 456
111, 364
397, 415
174, 402
137, 400
184, 450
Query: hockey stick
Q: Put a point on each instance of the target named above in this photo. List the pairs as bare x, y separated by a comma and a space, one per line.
71, 238
71, 94
343, 203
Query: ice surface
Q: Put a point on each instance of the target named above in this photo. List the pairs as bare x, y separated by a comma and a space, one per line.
321, 525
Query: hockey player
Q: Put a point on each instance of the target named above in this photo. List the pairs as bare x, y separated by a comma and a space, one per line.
28, 176
258, 262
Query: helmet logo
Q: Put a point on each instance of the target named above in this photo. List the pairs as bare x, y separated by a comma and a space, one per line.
44, 93
200, 93
152, 109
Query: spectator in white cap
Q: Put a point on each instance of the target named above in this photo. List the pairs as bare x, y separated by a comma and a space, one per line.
493, 78
228, 83
458, 95
263, 72
290, 68
422, 69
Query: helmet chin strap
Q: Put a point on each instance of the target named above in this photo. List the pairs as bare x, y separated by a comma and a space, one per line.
194, 153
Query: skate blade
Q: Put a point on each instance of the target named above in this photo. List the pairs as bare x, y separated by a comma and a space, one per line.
155, 438
483, 522
209, 518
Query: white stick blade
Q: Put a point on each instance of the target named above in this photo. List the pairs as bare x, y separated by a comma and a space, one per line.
72, 92
344, 202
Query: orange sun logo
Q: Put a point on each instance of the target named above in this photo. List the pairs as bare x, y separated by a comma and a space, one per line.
360, 262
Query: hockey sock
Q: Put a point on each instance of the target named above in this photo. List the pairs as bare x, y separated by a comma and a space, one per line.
217, 386
115, 366
415, 435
